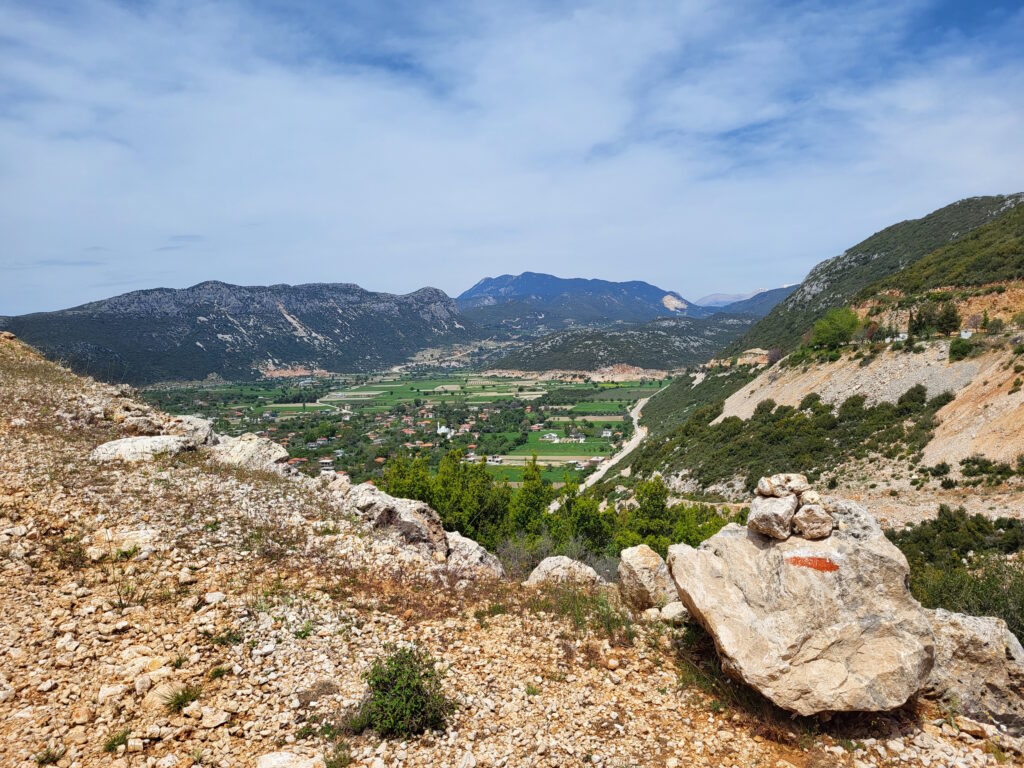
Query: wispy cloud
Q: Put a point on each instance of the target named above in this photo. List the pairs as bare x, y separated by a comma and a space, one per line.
703, 146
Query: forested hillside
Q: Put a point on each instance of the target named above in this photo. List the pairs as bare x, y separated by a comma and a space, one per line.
839, 280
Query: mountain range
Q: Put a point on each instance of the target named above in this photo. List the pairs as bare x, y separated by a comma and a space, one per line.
237, 332
240, 332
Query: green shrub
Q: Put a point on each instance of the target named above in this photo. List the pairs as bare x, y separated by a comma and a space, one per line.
116, 740
960, 349
836, 328
990, 586
405, 697
181, 698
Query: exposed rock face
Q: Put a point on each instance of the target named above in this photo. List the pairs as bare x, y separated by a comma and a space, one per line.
772, 515
815, 626
250, 452
468, 559
198, 431
562, 569
411, 523
134, 449
643, 579
979, 665
812, 521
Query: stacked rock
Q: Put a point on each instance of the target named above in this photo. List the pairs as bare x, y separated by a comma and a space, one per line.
786, 504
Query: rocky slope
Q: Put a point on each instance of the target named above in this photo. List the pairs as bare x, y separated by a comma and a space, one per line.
269, 595
238, 331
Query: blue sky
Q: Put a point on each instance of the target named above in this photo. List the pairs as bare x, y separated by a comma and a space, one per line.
701, 146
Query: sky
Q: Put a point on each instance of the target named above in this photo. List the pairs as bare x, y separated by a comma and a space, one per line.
700, 146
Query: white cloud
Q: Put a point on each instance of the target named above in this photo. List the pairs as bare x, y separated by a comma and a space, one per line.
702, 147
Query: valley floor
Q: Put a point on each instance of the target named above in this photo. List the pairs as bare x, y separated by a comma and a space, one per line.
122, 583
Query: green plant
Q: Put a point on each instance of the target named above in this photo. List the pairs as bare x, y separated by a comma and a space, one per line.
405, 696
179, 698
229, 637
178, 662
49, 756
115, 740
218, 672
339, 756
305, 631
959, 349
532, 690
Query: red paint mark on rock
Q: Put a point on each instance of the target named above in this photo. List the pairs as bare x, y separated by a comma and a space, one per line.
822, 564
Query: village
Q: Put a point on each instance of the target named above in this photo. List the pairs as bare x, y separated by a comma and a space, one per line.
355, 428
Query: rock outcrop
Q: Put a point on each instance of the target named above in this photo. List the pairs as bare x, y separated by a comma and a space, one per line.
816, 626
561, 569
467, 559
133, 449
979, 667
644, 581
250, 452
409, 523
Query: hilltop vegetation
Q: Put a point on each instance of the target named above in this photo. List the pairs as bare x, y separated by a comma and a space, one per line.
991, 253
837, 281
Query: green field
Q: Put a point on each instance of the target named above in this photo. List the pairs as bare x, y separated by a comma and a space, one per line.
551, 474
535, 445
601, 407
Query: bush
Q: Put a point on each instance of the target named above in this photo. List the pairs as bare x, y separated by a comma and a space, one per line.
405, 697
991, 586
959, 349
837, 327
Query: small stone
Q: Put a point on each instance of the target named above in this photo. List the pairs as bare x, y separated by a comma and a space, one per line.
812, 522
212, 598
81, 714
675, 613
142, 684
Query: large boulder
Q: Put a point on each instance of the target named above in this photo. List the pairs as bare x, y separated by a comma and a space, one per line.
133, 449
469, 560
198, 431
409, 523
979, 667
250, 451
816, 626
772, 515
643, 579
561, 569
